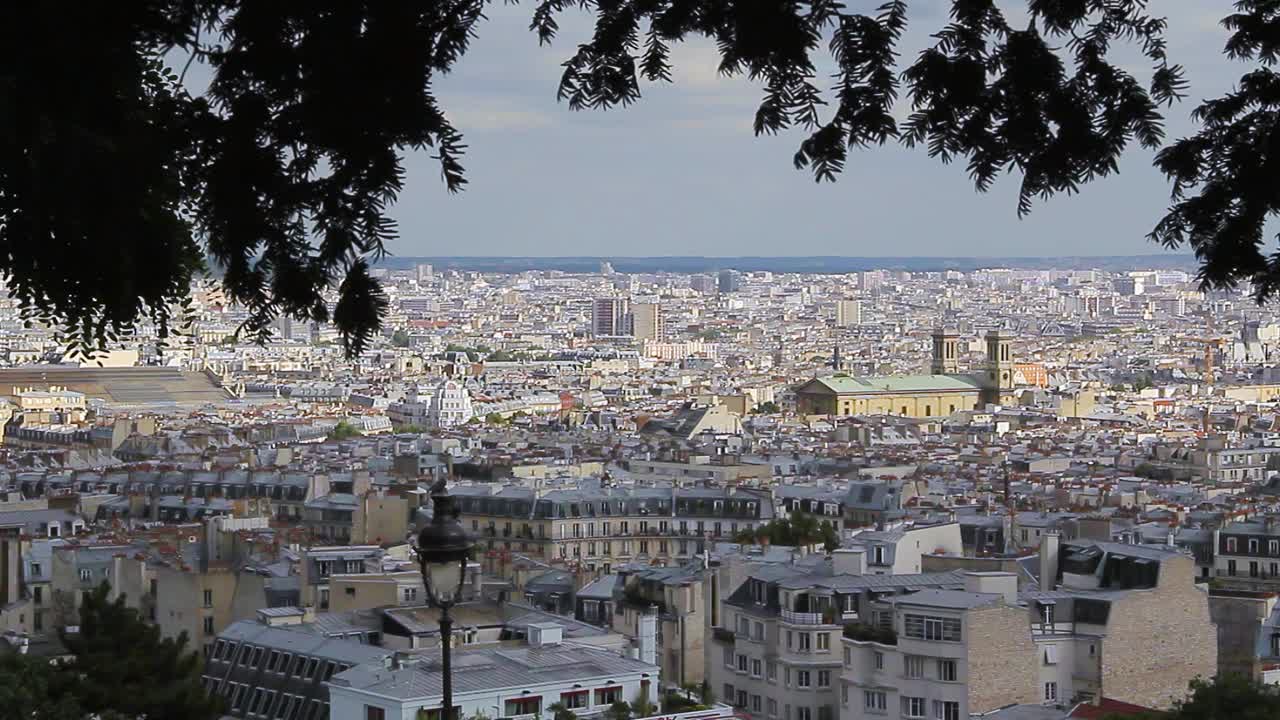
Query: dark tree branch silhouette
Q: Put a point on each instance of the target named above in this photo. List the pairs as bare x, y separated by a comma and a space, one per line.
116, 184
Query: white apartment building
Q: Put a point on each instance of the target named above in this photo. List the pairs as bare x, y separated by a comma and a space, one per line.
496, 681
447, 405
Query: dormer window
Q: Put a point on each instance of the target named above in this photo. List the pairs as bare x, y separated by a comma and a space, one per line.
759, 592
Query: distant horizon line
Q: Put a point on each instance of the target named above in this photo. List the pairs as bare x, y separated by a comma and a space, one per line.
787, 257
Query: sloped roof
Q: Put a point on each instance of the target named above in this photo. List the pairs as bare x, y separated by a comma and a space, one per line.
848, 384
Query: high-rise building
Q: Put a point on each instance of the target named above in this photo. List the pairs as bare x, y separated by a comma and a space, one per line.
704, 284
729, 281
425, 273
870, 279
848, 313
610, 316
606, 267
646, 321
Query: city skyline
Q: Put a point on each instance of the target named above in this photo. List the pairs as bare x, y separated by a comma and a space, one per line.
686, 175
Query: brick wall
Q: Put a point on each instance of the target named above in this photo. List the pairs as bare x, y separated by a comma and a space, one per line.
1159, 640
1002, 661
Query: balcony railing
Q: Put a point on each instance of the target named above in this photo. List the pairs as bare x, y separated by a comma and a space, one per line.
799, 618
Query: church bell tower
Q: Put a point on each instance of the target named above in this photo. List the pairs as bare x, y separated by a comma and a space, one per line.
998, 378
946, 352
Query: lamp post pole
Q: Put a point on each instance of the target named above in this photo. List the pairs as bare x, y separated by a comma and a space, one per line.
446, 647
443, 549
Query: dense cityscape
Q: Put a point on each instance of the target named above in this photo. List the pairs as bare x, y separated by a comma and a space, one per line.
1018, 494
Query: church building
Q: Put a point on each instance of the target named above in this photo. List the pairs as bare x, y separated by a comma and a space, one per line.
945, 390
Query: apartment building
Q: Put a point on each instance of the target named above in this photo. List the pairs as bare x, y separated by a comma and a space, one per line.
508, 681
276, 666
900, 552
602, 528
1121, 622
774, 649
672, 599
1248, 549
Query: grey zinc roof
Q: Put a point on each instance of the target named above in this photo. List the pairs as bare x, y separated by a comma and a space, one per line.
952, 599
302, 641
490, 668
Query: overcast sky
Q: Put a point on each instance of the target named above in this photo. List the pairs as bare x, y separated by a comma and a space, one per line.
680, 173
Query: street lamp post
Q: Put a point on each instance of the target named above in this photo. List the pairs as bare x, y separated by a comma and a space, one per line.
443, 550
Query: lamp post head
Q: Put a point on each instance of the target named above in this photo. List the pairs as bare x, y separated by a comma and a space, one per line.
443, 549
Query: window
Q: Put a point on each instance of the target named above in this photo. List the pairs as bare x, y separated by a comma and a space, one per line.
848, 657
86, 575
804, 642
757, 632
1231, 544
773, 707
802, 678
742, 663
728, 693
208, 626
1050, 654
575, 699
879, 660
874, 701
771, 669
913, 707
611, 695
374, 713
824, 678
744, 626
844, 695
37, 592
742, 699
524, 705
789, 639
728, 657
1050, 691
824, 642
946, 710
803, 713
237, 694
913, 666
256, 657
947, 670
410, 594
755, 703
208, 598
35, 567
924, 627
756, 668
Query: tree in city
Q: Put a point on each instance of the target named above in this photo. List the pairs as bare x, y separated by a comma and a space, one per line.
768, 407
32, 687
120, 184
400, 338
1231, 696
799, 529
123, 668
344, 431
619, 710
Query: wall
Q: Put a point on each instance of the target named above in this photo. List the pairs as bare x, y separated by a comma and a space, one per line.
1159, 640
1239, 619
1001, 666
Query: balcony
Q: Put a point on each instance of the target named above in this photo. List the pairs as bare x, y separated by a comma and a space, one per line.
799, 618
723, 635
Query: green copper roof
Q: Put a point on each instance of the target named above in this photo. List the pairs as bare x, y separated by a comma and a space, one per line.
844, 384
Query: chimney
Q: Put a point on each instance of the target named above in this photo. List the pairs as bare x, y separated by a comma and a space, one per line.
1049, 560
1004, 584
647, 635
545, 634
849, 561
